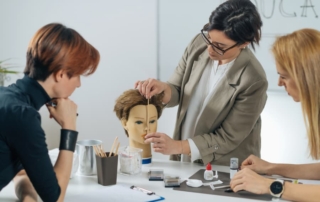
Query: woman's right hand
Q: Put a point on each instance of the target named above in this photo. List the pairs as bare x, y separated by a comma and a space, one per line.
150, 87
65, 113
256, 164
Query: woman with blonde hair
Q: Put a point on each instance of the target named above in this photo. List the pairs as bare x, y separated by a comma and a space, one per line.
297, 57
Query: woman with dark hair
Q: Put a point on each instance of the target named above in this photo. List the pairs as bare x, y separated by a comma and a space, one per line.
56, 58
137, 115
297, 57
220, 88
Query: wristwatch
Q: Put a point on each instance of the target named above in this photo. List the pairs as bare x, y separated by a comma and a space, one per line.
277, 188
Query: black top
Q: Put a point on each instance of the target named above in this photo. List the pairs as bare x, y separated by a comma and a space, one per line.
22, 140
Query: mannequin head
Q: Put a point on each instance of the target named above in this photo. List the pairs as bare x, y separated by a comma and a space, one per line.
131, 110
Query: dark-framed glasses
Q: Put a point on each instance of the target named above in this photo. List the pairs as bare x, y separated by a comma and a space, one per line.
218, 50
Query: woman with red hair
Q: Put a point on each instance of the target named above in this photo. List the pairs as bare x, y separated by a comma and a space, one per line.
56, 58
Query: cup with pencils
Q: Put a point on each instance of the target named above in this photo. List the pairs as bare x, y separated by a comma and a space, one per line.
107, 164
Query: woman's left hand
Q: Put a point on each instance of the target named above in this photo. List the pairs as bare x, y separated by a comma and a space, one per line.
162, 143
250, 181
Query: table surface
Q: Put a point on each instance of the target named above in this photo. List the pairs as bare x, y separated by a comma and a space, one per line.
85, 184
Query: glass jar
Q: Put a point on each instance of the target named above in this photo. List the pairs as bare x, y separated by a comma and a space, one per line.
130, 160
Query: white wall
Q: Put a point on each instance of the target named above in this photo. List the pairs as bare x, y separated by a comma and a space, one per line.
179, 22
125, 33
284, 136
279, 18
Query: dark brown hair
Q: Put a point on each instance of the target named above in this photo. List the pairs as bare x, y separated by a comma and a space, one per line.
239, 20
55, 47
132, 98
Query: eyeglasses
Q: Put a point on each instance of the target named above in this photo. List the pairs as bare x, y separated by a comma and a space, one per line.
214, 47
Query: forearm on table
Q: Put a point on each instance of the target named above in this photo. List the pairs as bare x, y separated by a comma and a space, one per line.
23, 188
62, 169
300, 171
301, 192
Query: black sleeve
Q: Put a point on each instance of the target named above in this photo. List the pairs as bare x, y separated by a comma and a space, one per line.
27, 139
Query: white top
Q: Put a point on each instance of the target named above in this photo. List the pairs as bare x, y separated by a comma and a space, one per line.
203, 92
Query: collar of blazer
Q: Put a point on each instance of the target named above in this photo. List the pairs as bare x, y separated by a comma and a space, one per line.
234, 73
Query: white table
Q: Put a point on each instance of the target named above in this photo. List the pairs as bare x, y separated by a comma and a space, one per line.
85, 184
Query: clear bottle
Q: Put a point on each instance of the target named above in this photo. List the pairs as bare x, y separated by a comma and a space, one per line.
234, 165
208, 173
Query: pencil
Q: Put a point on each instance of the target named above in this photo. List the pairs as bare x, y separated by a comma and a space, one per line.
148, 117
102, 151
113, 145
221, 187
116, 153
95, 150
99, 150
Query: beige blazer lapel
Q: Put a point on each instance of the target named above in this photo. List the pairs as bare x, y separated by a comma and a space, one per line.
223, 94
195, 75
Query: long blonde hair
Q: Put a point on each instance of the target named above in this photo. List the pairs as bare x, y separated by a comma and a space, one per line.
298, 54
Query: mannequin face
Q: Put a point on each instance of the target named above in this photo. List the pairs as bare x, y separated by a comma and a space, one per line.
136, 125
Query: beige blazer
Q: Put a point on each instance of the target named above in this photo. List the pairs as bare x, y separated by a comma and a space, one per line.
230, 125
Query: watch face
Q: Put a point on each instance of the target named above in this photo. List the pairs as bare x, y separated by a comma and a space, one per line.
276, 187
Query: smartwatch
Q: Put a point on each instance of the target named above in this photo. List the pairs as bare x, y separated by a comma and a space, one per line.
277, 188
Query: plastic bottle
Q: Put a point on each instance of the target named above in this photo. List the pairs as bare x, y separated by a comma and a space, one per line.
233, 166
208, 173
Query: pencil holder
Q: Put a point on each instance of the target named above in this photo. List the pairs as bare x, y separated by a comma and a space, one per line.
107, 169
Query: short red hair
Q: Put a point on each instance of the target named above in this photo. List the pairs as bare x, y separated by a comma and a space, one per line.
55, 47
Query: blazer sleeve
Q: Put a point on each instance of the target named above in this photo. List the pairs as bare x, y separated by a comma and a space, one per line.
176, 80
237, 126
